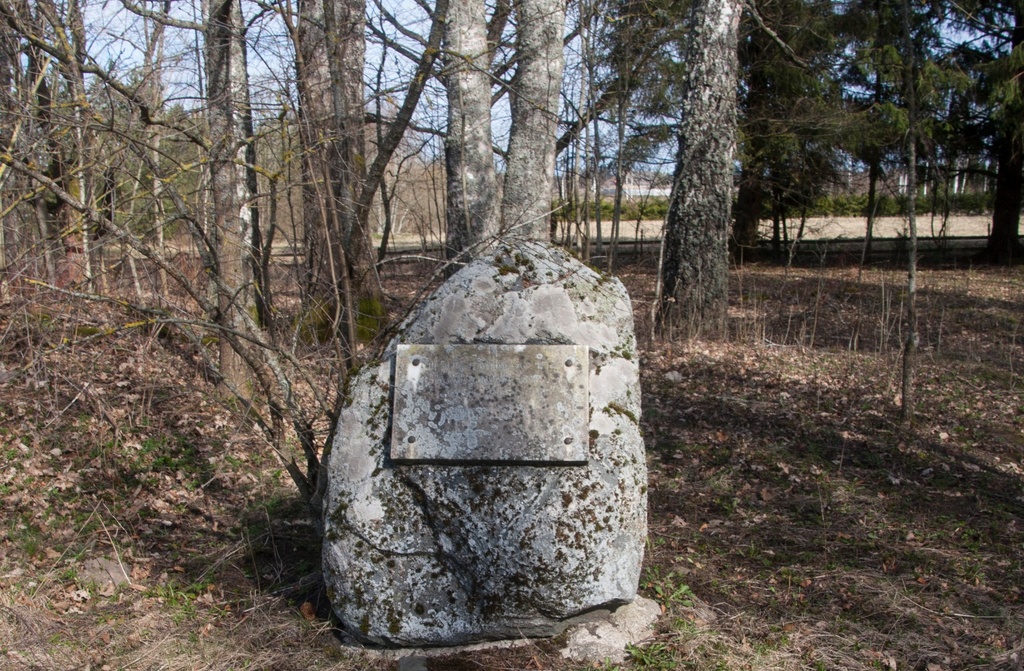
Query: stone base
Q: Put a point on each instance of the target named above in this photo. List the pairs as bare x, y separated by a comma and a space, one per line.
607, 639
603, 636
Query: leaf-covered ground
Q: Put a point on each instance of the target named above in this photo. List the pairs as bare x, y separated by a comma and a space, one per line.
794, 522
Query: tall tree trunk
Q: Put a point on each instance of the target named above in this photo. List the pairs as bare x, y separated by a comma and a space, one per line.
9, 82
620, 170
313, 81
594, 174
344, 21
232, 229
694, 294
910, 345
41, 102
1004, 240
154, 96
257, 254
84, 142
340, 281
471, 198
530, 167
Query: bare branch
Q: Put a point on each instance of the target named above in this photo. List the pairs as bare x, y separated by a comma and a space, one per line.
786, 49
396, 130
161, 17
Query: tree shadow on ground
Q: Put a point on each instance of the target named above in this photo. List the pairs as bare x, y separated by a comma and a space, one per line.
799, 503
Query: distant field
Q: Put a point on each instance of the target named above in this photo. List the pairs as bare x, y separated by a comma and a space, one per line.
891, 227
817, 228
824, 228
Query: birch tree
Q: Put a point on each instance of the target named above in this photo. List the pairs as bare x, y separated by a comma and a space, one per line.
530, 165
694, 291
472, 214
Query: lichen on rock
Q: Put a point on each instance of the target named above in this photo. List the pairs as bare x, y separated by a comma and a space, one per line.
445, 554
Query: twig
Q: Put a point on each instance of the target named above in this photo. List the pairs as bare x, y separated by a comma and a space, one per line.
952, 614
70, 403
113, 545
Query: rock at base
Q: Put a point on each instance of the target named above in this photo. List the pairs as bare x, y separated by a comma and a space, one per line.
606, 640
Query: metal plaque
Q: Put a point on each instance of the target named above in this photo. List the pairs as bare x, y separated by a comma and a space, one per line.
482, 404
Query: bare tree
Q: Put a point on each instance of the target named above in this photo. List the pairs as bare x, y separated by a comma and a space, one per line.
328, 39
10, 76
231, 232
910, 345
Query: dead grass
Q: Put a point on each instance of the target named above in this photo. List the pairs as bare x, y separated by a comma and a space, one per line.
794, 523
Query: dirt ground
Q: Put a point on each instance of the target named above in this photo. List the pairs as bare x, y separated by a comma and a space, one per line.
795, 522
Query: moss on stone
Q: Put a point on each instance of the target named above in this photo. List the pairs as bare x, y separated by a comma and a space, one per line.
620, 410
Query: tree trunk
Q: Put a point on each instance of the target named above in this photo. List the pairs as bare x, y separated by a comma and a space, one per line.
619, 177
257, 254
153, 64
530, 167
1004, 240
694, 294
41, 100
910, 345
232, 230
340, 266
748, 212
84, 147
344, 22
874, 168
313, 81
778, 223
471, 187
8, 83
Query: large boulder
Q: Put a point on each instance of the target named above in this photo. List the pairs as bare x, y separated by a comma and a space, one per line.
469, 537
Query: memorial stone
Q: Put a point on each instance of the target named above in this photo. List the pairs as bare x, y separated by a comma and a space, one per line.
488, 477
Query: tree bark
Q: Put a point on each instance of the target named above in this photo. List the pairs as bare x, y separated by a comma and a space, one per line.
695, 262
530, 166
9, 82
344, 22
472, 215
313, 81
1004, 240
340, 282
257, 257
232, 229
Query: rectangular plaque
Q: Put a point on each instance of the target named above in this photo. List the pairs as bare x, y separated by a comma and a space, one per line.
483, 404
